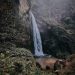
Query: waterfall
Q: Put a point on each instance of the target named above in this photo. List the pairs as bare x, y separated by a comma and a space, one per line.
36, 37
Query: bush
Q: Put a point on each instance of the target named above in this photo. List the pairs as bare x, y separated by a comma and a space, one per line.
19, 61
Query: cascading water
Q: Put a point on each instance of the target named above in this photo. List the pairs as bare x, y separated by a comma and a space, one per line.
36, 37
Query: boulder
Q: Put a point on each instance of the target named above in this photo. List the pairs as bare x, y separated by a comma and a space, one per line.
46, 63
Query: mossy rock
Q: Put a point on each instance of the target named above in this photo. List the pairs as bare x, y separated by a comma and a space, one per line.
19, 62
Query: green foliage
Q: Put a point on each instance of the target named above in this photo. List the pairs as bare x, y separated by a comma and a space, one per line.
20, 62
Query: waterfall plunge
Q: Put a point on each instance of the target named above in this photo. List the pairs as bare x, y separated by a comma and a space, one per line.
36, 37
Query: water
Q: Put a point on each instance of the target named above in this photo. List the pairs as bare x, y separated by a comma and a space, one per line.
36, 37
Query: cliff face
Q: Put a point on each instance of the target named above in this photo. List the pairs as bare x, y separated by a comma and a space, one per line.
53, 10
56, 23
14, 24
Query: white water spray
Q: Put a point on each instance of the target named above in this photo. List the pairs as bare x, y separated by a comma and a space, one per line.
36, 37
